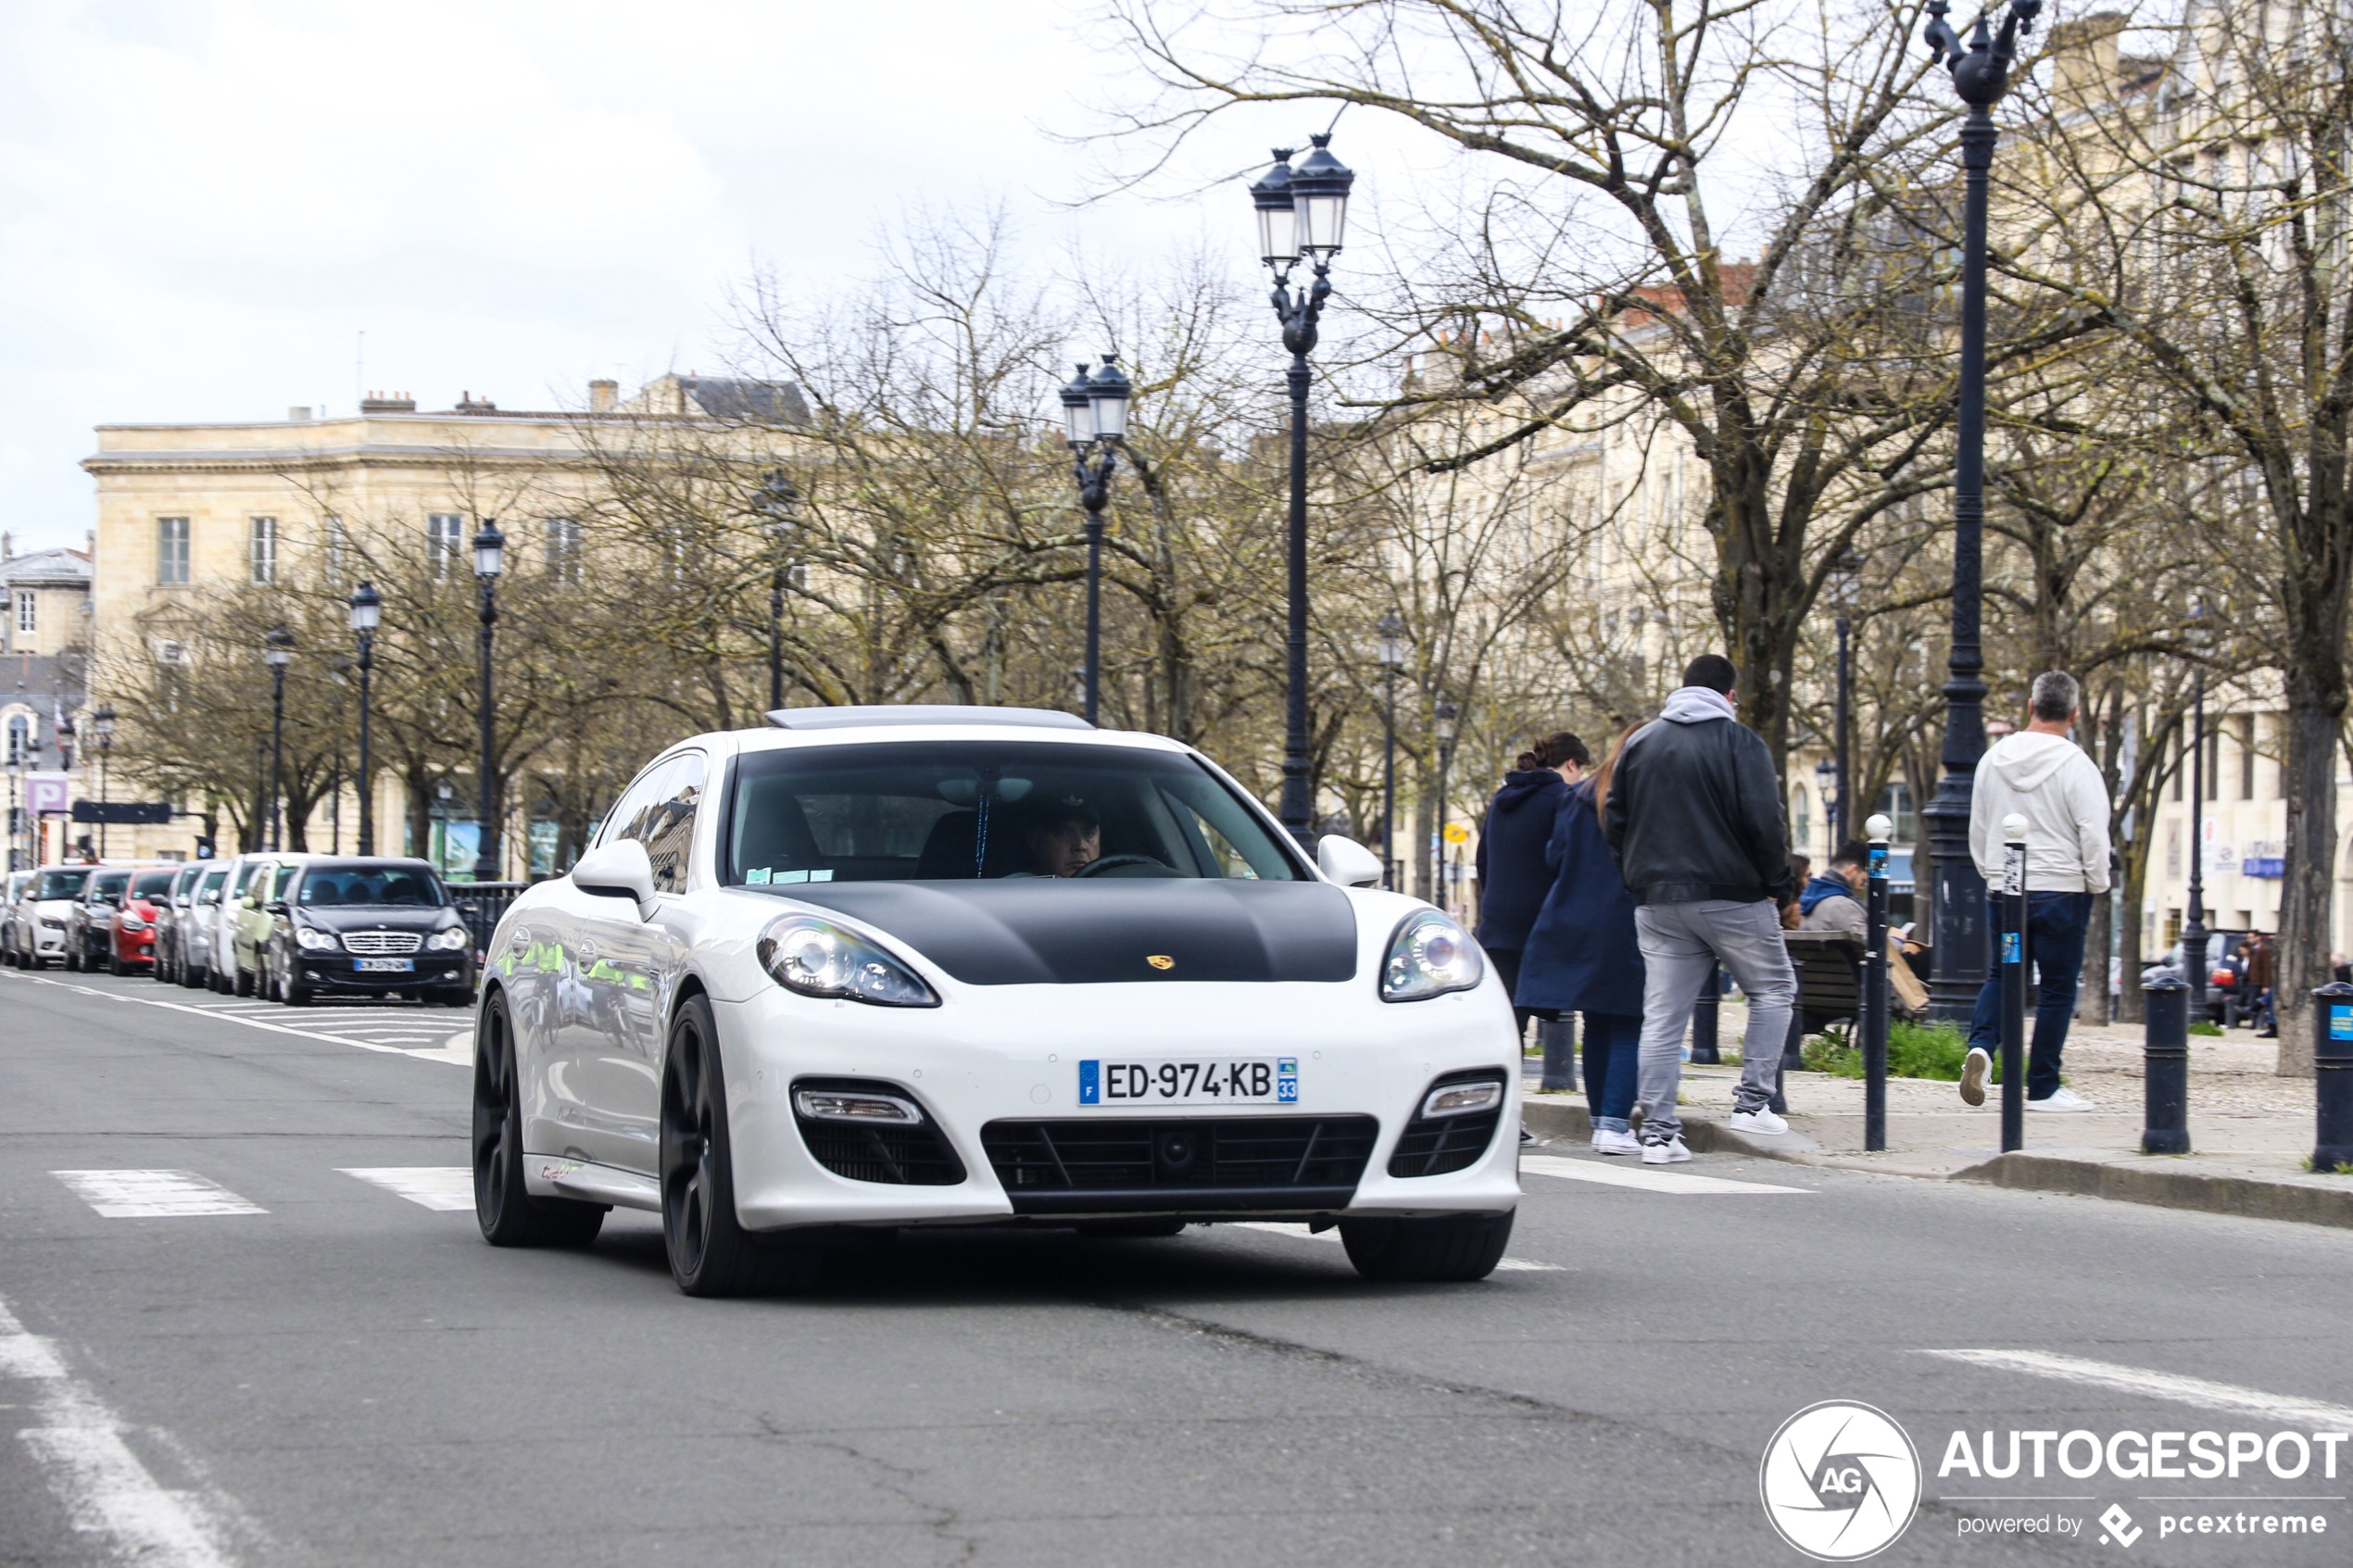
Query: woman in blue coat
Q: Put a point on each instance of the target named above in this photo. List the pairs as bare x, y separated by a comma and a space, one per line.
1582, 956
1513, 876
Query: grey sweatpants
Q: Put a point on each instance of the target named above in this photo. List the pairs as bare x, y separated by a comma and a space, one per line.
1681, 945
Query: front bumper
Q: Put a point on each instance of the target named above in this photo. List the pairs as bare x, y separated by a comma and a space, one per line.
998, 1060
340, 972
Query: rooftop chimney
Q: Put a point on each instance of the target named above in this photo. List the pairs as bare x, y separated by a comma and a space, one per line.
469, 404
2084, 64
603, 396
298, 413
377, 403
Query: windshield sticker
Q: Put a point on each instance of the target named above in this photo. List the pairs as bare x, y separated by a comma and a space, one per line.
757, 877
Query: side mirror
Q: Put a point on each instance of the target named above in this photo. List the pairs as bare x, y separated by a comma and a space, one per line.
1348, 862
277, 907
620, 869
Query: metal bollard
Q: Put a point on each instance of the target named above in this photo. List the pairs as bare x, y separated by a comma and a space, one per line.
1559, 1037
1706, 1016
2332, 1075
2165, 1068
1874, 1019
2012, 943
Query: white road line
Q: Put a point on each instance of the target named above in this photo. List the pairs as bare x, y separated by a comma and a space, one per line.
2280, 1407
153, 1195
444, 1187
1648, 1178
1509, 1266
444, 1053
77, 1441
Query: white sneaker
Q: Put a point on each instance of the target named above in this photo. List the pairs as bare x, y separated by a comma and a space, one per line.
2061, 1098
1975, 1069
1758, 1120
1607, 1141
1672, 1152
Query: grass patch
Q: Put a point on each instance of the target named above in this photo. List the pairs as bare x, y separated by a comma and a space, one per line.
1914, 1050
2201, 1026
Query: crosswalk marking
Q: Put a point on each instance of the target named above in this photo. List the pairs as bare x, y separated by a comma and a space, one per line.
153, 1195
1278, 1227
444, 1187
1648, 1178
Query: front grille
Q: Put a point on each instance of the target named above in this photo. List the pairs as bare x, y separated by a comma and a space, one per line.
896, 1154
1180, 1156
1431, 1146
382, 944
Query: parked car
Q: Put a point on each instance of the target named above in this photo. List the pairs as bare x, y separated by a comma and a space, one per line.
130, 935
220, 968
167, 923
42, 916
192, 925
18, 883
2222, 972
89, 929
367, 927
250, 920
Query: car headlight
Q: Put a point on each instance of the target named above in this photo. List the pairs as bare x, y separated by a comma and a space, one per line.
1428, 956
817, 958
448, 941
313, 940
133, 922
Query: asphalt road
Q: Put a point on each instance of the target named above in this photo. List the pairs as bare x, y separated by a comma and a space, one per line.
270, 1360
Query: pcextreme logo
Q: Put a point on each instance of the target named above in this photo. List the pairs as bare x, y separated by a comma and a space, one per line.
1839, 1481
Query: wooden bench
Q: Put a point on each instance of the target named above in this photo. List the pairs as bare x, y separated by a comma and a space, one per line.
1830, 980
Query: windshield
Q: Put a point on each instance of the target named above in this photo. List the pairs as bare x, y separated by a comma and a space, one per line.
402, 887
209, 890
107, 886
960, 810
61, 885
153, 884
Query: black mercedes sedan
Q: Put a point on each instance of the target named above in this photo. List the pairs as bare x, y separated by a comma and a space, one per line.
377, 926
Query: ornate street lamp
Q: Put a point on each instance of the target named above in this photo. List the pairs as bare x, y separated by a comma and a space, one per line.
779, 499
1094, 424
367, 612
490, 555
1392, 653
103, 722
2195, 970
1980, 74
277, 649
1826, 786
1443, 722
1301, 212
1849, 572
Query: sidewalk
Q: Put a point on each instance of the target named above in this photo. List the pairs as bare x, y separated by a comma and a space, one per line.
2250, 1130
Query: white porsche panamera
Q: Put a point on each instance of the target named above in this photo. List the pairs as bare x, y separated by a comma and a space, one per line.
878, 968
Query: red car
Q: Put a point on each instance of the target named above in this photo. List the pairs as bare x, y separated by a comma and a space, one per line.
131, 934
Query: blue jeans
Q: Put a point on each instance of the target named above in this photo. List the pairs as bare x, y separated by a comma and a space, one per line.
2056, 924
1613, 1056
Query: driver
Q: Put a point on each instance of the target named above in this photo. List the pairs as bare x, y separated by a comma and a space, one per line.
1062, 838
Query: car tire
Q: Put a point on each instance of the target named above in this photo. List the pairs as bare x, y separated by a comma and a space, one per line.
71, 962
709, 1251
1451, 1248
455, 997
504, 1207
294, 993
243, 985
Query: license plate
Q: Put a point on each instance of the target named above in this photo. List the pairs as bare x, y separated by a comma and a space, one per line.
1204, 1080
384, 966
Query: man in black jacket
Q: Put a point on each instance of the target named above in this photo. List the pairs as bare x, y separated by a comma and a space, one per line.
1694, 818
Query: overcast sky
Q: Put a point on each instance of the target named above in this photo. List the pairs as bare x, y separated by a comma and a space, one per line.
203, 205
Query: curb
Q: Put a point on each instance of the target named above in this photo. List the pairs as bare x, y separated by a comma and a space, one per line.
2247, 1197
2168, 1189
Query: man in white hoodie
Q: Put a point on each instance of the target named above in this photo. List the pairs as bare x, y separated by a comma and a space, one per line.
2038, 774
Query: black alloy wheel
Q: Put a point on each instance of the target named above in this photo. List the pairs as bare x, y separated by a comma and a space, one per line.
504, 1207
292, 989
710, 1253
1450, 1250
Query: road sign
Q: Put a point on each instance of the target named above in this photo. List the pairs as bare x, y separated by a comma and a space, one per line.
124, 813
47, 794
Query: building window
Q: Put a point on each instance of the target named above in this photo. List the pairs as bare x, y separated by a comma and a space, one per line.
2246, 757
262, 550
563, 548
333, 542
28, 612
171, 551
445, 543
2181, 767
20, 741
2214, 763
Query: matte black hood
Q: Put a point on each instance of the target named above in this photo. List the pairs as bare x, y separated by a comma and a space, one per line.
1049, 931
